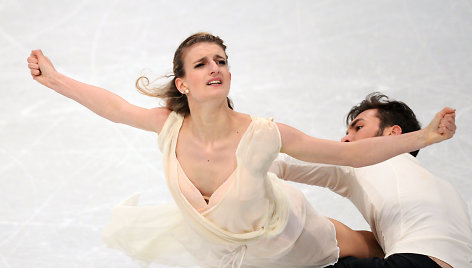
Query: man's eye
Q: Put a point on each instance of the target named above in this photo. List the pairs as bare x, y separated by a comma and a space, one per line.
199, 65
222, 62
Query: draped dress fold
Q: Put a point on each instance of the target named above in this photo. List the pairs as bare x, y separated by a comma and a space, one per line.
254, 219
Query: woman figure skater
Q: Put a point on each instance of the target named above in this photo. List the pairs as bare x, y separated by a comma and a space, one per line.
229, 211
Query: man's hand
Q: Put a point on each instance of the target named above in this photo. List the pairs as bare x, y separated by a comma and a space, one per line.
442, 127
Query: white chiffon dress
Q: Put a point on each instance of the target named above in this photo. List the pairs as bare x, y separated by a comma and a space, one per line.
253, 220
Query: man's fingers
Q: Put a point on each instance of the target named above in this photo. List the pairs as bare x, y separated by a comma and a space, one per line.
451, 116
447, 110
447, 121
446, 124
452, 128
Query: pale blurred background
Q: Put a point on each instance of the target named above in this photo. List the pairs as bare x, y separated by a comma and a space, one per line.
304, 63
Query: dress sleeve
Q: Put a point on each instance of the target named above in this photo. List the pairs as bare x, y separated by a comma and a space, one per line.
259, 146
167, 129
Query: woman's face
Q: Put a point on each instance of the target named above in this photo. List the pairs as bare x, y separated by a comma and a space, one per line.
207, 76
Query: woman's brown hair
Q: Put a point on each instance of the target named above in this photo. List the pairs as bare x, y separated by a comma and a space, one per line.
174, 99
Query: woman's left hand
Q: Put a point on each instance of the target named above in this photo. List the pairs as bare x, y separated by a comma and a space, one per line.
442, 127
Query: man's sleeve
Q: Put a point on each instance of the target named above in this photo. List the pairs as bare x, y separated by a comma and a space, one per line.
336, 178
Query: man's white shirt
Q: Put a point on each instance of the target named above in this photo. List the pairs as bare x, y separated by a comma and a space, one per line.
409, 209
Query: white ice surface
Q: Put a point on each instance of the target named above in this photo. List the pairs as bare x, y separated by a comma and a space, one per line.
305, 63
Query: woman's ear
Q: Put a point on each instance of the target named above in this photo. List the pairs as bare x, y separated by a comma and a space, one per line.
180, 85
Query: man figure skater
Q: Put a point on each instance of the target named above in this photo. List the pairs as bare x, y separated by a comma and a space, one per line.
418, 219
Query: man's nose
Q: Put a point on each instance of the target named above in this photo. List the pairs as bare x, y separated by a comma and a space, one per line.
346, 138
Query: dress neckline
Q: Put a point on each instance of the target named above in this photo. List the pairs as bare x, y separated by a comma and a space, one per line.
231, 174
195, 198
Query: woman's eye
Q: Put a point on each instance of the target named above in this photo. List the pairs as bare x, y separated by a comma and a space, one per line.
199, 65
358, 128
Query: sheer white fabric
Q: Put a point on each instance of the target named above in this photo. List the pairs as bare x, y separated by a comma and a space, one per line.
409, 209
260, 221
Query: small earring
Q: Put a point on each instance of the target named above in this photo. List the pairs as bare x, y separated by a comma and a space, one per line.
186, 91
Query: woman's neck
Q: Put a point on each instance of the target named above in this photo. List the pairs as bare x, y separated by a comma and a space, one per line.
211, 124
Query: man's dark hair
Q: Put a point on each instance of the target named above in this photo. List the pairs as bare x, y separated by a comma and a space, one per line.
390, 112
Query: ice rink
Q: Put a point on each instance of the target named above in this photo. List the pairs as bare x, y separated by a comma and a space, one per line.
304, 63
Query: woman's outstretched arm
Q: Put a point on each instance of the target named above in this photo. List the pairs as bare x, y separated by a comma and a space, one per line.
98, 100
366, 151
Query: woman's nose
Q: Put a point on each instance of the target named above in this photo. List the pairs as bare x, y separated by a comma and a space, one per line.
214, 68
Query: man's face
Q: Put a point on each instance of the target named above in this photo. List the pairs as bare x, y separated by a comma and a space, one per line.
365, 125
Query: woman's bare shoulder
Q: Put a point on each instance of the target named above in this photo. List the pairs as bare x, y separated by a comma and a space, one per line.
159, 116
